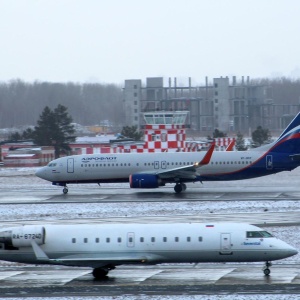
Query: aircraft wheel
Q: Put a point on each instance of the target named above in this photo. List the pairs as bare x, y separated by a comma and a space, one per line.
183, 186
267, 271
65, 190
99, 273
178, 188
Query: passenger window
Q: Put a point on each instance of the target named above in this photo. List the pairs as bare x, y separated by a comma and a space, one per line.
73, 240
119, 240
85, 240
164, 239
188, 239
107, 240
153, 239
97, 240
141, 239
176, 239
200, 239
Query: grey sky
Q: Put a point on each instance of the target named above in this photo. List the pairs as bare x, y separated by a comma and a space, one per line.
113, 40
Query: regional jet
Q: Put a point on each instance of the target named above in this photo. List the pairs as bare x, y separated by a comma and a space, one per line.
152, 170
105, 246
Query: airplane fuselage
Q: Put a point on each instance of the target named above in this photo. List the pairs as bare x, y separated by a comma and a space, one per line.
98, 245
101, 168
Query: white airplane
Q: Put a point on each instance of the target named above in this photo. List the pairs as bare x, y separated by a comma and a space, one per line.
104, 246
151, 170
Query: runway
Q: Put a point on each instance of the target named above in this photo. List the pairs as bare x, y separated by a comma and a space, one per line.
272, 202
176, 279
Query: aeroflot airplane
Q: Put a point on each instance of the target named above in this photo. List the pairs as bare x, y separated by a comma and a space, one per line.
151, 170
104, 246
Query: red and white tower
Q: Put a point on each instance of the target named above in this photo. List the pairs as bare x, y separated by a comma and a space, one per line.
165, 130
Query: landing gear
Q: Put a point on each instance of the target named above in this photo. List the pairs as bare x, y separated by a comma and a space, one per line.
179, 187
65, 190
266, 269
100, 273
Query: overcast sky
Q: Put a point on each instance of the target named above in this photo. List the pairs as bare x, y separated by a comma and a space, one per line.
113, 40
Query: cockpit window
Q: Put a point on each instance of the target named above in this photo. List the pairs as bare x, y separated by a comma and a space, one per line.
52, 165
258, 234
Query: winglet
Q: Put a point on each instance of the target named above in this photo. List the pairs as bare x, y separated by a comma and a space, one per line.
39, 253
230, 146
206, 159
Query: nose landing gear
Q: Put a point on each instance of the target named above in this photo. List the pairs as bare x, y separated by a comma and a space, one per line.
266, 269
65, 190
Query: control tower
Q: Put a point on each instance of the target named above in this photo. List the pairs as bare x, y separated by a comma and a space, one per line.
165, 130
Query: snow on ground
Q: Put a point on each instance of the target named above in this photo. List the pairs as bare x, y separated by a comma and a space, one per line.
174, 297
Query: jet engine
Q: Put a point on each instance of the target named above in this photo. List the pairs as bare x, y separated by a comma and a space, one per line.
23, 236
144, 181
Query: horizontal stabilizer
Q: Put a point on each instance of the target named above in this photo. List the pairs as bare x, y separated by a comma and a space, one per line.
295, 157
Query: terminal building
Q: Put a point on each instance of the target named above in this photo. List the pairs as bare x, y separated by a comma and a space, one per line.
229, 105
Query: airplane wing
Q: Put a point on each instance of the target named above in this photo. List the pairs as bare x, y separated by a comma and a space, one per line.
98, 259
190, 171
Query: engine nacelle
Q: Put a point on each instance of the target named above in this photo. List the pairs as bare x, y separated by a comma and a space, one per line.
144, 181
23, 236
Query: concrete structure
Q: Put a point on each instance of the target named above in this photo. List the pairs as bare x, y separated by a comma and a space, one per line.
230, 106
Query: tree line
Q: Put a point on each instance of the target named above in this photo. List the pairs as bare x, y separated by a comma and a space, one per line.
91, 103
21, 103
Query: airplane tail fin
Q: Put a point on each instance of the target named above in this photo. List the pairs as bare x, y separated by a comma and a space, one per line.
289, 140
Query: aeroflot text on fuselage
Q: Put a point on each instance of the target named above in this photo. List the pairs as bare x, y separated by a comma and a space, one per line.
101, 158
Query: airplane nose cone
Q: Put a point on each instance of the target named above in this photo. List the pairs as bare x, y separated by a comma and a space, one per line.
293, 251
41, 173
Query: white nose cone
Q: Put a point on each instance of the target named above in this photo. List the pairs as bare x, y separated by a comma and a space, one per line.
42, 173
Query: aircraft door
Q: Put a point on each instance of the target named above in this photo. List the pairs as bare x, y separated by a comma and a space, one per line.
130, 239
163, 164
156, 165
269, 162
225, 244
70, 165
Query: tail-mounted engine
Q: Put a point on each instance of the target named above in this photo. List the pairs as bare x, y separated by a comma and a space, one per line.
22, 236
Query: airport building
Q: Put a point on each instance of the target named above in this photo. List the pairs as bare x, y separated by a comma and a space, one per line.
228, 105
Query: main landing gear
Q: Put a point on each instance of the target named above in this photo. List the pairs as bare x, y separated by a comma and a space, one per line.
179, 187
266, 269
100, 273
